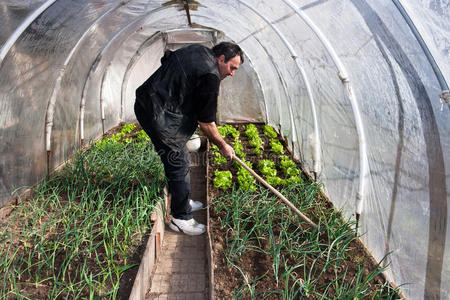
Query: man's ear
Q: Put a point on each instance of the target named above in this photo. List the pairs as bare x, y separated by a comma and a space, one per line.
221, 58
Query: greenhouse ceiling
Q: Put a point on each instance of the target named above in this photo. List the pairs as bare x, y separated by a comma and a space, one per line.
358, 88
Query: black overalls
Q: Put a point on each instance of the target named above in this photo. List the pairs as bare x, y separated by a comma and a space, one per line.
167, 110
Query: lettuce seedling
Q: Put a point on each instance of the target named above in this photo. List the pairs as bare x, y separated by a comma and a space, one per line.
228, 130
267, 168
294, 180
142, 136
291, 172
222, 179
218, 158
275, 181
245, 179
269, 131
286, 162
288, 166
276, 146
253, 138
238, 148
251, 131
127, 128
266, 163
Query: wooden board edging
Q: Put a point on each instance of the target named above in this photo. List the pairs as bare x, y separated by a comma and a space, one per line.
152, 251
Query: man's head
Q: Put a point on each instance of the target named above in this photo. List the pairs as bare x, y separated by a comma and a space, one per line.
229, 58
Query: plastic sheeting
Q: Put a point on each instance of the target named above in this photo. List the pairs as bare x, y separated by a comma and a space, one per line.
349, 83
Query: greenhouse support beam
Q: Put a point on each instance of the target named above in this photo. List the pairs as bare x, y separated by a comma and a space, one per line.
52, 102
90, 74
97, 61
316, 156
293, 54
322, 38
136, 56
23, 26
437, 71
342, 73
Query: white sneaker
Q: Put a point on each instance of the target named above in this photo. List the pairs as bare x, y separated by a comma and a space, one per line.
190, 227
195, 205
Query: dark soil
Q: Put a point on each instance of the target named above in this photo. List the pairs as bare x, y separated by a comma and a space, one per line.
227, 279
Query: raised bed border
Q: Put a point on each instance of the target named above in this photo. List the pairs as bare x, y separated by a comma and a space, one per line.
152, 250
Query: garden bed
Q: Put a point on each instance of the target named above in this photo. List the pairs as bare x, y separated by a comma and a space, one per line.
82, 232
261, 249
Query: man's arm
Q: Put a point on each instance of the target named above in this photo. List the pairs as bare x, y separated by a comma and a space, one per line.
210, 129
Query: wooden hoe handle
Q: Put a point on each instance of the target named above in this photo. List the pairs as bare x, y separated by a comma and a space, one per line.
276, 192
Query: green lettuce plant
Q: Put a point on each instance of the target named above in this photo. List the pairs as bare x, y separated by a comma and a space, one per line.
275, 180
267, 168
275, 146
218, 158
253, 139
269, 131
238, 148
222, 179
245, 179
127, 128
142, 136
226, 130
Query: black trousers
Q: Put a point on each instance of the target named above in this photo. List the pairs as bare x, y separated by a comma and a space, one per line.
177, 166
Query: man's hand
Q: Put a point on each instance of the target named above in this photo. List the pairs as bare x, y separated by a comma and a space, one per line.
227, 151
210, 129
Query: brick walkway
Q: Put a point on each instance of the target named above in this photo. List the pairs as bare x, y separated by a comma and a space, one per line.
181, 271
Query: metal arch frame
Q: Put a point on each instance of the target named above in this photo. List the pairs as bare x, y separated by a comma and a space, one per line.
141, 50
445, 94
110, 42
136, 56
420, 40
23, 26
316, 155
49, 117
364, 163
258, 77
94, 67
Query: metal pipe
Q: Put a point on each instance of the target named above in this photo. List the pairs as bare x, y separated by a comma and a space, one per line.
342, 73
52, 102
100, 56
130, 65
418, 36
308, 87
23, 26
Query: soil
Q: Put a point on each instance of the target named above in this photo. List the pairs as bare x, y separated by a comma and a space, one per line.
227, 278
41, 291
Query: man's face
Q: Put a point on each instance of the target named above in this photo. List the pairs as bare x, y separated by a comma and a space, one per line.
229, 67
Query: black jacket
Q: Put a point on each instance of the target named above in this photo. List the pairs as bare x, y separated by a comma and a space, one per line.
167, 95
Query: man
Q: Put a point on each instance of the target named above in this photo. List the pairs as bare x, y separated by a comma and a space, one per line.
180, 96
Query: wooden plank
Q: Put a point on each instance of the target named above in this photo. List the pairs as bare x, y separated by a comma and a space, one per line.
152, 250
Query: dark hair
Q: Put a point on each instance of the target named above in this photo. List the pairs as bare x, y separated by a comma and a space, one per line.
228, 49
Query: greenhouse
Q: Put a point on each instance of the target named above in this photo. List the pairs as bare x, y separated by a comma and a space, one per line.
356, 93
